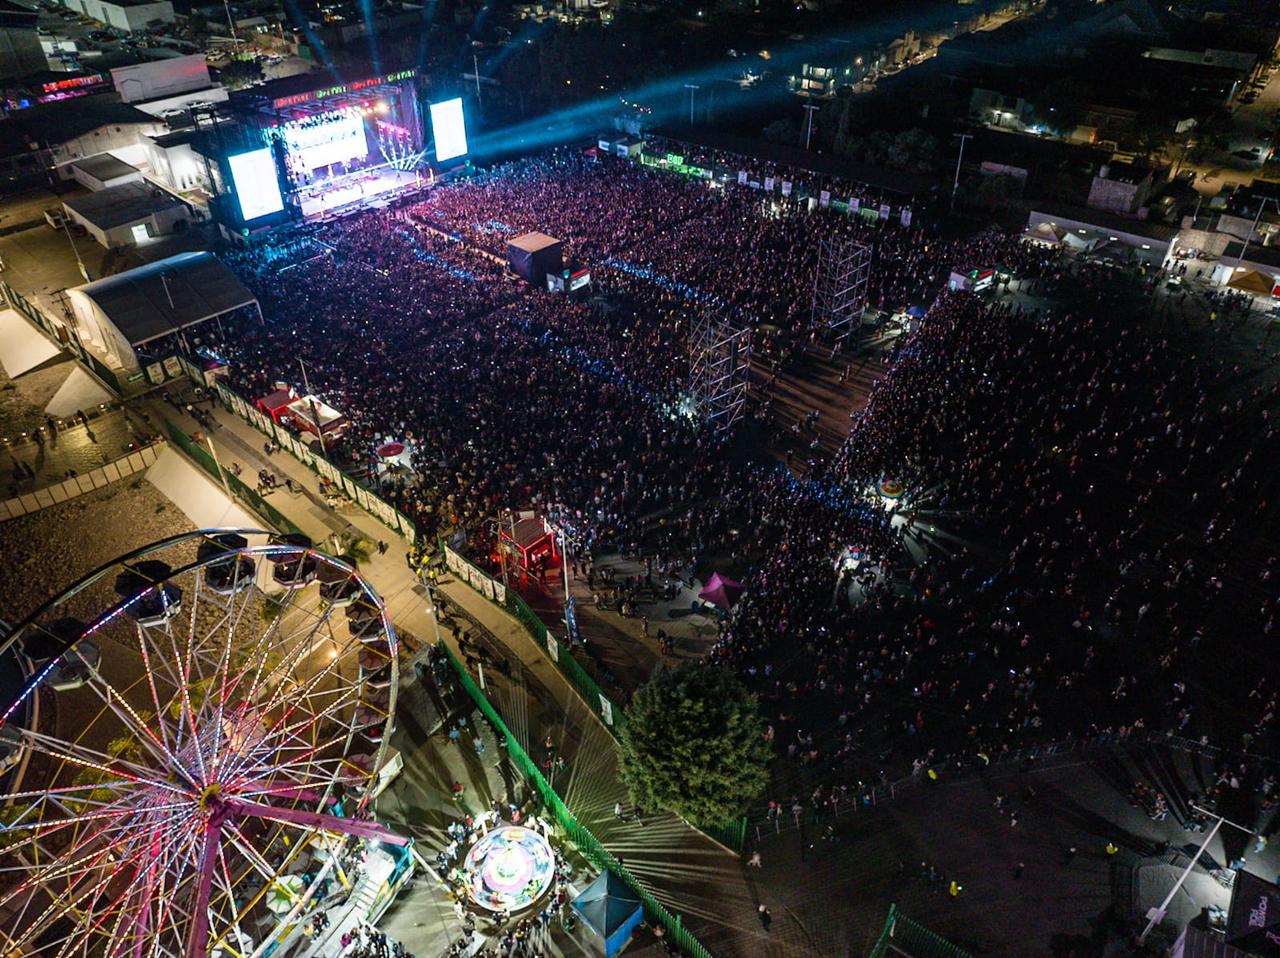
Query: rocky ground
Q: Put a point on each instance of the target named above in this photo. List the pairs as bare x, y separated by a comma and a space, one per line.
49, 550
22, 400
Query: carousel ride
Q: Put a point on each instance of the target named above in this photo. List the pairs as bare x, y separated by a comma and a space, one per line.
194, 789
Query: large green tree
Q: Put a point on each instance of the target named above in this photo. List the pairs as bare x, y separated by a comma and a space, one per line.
694, 744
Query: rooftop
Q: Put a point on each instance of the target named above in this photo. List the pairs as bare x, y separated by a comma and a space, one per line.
121, 205
1108, 221
56, 123
155, 300
104, 166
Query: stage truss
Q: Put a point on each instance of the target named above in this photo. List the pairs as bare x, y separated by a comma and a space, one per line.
212, 718
840, 285
719, 370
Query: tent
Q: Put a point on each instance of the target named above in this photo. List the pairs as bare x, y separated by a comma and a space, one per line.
1253, 282
721, 592
611, 909
1047, 233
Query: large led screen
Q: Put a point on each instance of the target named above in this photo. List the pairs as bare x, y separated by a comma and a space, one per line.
253, 176
449, 129
325, 140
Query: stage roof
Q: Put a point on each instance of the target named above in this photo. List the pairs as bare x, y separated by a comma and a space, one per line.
532, 242
170, 294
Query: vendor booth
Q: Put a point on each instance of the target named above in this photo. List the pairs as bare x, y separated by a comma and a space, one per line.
276, 404
315, 416
611, 909
528, 540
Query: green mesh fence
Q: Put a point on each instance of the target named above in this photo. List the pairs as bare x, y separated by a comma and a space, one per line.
901, 934
239, 490
577, 833
733, 835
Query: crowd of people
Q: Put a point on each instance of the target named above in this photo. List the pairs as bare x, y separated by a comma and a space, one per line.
1105, 483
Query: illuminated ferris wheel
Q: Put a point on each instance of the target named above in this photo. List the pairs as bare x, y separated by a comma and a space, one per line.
188, 770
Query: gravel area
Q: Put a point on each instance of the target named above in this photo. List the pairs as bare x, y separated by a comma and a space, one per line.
50, 550
22, 400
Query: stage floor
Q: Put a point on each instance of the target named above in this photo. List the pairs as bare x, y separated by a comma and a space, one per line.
353, 190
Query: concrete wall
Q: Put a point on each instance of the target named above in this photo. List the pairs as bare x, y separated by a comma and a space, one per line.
121, 468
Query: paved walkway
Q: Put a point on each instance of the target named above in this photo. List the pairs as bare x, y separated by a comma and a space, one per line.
682, 868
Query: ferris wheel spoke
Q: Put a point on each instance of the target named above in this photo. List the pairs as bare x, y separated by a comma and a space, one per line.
160, 749
85, 757
134, 838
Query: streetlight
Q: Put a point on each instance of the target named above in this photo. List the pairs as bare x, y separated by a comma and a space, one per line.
1156, 915
959, 159
809, 109
691, 87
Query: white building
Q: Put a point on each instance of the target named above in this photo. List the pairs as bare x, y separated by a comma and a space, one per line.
131, 16
129, 215
104, 170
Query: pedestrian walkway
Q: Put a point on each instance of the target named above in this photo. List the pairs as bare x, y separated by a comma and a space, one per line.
686, 871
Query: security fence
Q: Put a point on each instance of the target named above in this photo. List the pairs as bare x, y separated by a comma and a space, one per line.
903, 936
62, 336
369, 501
576, 832
732, 835
234, 485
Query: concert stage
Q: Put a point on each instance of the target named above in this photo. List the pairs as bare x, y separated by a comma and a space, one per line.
361, 188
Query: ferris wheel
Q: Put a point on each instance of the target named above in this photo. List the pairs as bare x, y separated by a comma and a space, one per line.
193, 751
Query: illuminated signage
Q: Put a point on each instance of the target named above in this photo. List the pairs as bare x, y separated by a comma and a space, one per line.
364, 84
72, 83
580, 279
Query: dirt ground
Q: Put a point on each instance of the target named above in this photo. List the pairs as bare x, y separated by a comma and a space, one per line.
49, 550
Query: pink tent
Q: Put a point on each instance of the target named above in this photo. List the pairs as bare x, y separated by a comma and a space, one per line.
721, 592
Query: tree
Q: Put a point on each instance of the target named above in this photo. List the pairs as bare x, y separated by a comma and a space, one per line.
238, 74
782, 131
694, 744
1062, 106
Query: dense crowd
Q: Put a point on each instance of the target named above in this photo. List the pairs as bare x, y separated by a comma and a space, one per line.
1103, 483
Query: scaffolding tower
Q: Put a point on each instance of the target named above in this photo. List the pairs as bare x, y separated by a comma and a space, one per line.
719, 369
840, 285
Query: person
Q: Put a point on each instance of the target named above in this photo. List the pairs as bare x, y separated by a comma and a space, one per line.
754, 860
1111, 849
617, 812
766, 919
954, 888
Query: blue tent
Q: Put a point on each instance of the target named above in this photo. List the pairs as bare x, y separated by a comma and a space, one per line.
611, 909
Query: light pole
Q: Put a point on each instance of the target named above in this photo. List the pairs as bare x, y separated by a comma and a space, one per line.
315, 413
1156, 915
1262, 204
231, 25
691, 87
809, 109
959, 159
475, 65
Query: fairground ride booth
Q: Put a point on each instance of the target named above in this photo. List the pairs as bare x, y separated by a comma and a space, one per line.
309, 415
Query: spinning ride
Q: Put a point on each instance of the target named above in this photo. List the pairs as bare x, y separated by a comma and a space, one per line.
214, 761
509, 869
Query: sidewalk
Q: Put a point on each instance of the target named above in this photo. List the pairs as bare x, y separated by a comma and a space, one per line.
690, 874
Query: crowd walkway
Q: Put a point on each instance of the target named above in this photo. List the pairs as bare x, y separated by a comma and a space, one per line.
688, 872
